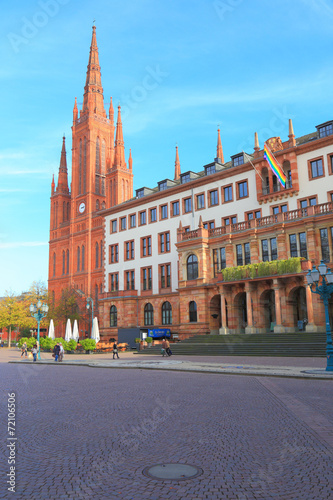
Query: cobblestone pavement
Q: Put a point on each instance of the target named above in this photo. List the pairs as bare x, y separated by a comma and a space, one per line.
89, 433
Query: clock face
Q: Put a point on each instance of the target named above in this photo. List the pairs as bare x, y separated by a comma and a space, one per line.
82, 207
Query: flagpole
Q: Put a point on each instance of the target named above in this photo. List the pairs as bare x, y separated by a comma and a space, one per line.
253, 165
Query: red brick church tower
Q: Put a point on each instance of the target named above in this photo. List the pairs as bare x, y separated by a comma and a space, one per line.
100, 179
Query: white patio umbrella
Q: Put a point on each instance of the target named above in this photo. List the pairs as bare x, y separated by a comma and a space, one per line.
95, 332
51, 329
75, 331
68, 334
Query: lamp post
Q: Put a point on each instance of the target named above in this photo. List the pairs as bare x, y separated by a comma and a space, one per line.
90, 301
324, 290
39, 311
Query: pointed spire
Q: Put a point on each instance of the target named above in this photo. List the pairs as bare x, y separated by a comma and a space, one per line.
292, 140
219, 150
52, 185
130, 160
93, 91
177, 166
200, 222
75, 111
111, 112
62, 177
256, 142
119, 150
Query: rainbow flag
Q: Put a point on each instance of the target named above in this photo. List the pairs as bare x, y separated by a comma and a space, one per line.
275, 166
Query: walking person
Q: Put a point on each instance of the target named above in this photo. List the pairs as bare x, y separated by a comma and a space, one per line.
24, 349
56, 351
61, 352
167, 348
115, 349
34, 352
163, 348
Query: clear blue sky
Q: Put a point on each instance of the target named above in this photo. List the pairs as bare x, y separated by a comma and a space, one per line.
247, 66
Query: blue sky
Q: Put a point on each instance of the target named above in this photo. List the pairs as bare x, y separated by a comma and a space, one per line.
178, 68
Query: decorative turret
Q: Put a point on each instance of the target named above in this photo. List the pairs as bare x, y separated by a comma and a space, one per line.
93, 91
52, 186
292, 140
75, 111
130, 160
219, 150
111, 112
62, 186
177, 166
119, 150
256, 142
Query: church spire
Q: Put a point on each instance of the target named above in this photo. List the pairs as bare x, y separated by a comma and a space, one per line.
219, 150
75, 111
52, 185
93, 91
119, 150
130, 160
177, 166
62, 186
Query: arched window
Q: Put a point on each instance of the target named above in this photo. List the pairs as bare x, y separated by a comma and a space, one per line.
166, 313
54, 264
97, 167
56, 215
78, 259
111, 195
148, 315
67, 262
193, 312
63, 211
101, 259
53, 298
192, 267
96, 255
68, 210
113, 316
80, 168
96, 297
97, 204
82, 258
103, 205
63, 262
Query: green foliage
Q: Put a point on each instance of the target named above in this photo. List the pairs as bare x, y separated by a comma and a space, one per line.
31, 341
67, 307
137, 340
148, 340
88, 344
64, 343
71, 345
47, 343
274, 267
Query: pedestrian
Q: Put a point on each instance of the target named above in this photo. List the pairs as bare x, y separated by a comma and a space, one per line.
24, 349
167, 348
56, 351
61, 352
34, 352
115, 349
163, 351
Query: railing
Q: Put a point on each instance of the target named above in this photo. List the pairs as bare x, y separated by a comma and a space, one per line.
190, 234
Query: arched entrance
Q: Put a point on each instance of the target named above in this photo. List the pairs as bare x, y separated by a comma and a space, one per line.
267, 305
215, 315
240, 312
297, 304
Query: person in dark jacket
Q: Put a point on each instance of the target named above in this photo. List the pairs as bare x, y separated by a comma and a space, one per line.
115, 349
56, 351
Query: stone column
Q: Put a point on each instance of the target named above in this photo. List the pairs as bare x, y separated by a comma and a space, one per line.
224, 328
310, 327
278, 315
249, 328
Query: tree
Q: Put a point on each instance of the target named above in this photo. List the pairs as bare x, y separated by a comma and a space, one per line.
13, 313
67, 307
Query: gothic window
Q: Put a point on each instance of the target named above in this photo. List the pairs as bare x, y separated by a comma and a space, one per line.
97, 204
63, 211
68, 210
101, 258
96, 297
148, 315
80, 168
103, 169
192, 267
67, 262
113, 316
193, 312
78, 259
63, 262
84, 165
166, 313
82, 258
96, 255
54, 264
97, 167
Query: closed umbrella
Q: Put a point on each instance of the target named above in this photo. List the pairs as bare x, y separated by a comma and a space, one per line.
51, 329
95, 332
75, 331
68, 334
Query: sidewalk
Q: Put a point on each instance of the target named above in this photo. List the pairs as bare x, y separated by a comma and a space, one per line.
307, 368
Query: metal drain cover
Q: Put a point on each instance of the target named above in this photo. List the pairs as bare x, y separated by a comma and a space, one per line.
172, 471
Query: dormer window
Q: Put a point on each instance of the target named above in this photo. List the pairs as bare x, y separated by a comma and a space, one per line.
140, 193
210, 170
185, 178
162, 185
237, 160
325, 129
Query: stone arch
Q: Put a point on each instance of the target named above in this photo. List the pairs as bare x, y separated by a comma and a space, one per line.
215, 314
240, 312
296, 307
267, 310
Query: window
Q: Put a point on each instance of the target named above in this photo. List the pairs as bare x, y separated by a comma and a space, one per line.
247, 253
269, 250
293, 245
140, 193
239, 255
96, 255
113, 316
113, 282
123, 223
242, 189
148, 315
165, 275
325, 130
317, 168
210, 170
146, 278
164, 242
133, 220
227, 194
256, 214
146, 246
200, 201
185, 178
175, 208
63, 262
237, 160
302, 245
153, 215
192, 267
280, 209
213, 198
54, 264
219, 260
113, 226
164, 211
230, 220
264, 250
143, 218
166, 313
129, 250
325, 249
289, 182
298, 246
82, 257
192, 307
187, 205
243, 255
78, 253
330, 164
209, 224
67, 262
162, 185
113, 253
129, 280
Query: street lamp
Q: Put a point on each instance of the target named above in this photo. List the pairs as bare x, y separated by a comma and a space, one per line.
39, 311
324, 290
90, 300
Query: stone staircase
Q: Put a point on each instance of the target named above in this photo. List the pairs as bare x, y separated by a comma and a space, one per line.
270, 344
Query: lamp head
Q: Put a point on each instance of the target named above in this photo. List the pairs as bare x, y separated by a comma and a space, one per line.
322, 268
315, 274
329, 276
39, 304
309, 277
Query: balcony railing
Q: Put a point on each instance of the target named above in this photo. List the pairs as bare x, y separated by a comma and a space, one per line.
293, 265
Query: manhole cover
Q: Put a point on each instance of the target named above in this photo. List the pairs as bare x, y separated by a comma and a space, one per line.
172, 471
